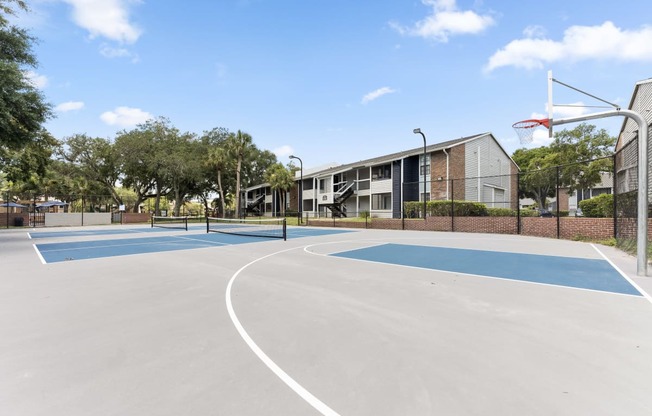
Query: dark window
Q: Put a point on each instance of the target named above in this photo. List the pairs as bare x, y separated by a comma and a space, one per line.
381, 201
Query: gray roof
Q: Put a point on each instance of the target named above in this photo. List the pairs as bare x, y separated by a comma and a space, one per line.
395, 156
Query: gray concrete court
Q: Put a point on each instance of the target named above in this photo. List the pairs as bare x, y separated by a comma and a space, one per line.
152, 334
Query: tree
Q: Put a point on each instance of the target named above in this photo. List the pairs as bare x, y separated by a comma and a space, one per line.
31, 161
239, 148
579, 156
97, 164
538, 177
23, 109
587, 145
136, 153
280, 180
180, 166
217, 160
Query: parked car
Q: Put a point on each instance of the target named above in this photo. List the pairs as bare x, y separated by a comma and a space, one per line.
545, 213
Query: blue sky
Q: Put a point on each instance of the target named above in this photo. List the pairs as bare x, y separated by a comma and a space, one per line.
333, 81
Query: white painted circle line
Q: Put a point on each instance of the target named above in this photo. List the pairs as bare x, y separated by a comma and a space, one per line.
296, 387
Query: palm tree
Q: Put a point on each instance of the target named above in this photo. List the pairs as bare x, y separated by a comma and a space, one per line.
240, 145
280, 180
218, 158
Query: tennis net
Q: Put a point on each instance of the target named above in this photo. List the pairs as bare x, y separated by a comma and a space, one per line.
258, 227
170, 222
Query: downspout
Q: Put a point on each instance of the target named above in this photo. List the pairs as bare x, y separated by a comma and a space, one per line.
447, 173
479, 180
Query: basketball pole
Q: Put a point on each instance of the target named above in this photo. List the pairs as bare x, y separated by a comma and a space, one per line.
641, 230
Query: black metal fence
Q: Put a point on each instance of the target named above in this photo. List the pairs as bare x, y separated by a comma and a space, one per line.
626, 196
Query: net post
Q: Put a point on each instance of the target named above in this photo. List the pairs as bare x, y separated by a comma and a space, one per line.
151, 219
285, 229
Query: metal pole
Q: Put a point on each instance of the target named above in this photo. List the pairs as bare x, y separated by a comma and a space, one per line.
615, 205
557, 185
418, 131
518, 203
300, 204
641, 230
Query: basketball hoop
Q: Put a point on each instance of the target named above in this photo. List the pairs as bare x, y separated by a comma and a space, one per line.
525, 129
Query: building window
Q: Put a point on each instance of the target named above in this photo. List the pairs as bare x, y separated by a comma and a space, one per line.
424, 170
381, 172
381, 201
322, 184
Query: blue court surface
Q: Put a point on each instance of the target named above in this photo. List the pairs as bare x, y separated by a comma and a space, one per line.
82, 250
108, 231
592, 274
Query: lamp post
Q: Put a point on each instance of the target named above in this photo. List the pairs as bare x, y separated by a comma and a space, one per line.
300, 189
418, 131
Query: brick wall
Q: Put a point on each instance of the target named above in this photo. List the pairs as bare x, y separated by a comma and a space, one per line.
438, 170
4, 218
457, 163
135, 217
570, 227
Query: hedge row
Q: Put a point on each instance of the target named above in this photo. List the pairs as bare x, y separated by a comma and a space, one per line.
414, 209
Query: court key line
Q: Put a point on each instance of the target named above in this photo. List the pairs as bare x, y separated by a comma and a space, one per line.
623, 274
641, 292
285, 377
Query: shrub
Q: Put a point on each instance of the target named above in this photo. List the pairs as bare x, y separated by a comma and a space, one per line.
601, 206
529, 213
445, 208
501, 212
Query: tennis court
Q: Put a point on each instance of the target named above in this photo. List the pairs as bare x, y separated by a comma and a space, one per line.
173, 240
329, 322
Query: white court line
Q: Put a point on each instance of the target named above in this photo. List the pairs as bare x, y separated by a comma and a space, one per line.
505, 279
38, 253
289, 381
637, 287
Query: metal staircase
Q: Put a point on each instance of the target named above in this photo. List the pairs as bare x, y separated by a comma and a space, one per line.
253, 207
341, 195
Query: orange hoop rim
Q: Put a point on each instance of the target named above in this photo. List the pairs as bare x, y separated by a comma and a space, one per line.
532, 123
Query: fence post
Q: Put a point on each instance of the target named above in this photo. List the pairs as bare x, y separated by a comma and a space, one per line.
7, 207
452, 204
615, 207
518, 203
557, 196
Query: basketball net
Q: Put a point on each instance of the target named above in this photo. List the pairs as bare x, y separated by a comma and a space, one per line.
525, 129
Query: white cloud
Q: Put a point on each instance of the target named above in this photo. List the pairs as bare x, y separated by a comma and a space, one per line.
377, 94
39, 81
125, 117
105, 18
604, 42
69, 106
111, 52
446, 21
283, 151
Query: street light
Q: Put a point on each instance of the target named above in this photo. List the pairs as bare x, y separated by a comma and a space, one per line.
418, 131
300, 189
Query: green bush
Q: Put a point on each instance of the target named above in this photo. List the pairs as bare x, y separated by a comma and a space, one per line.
601, 206
501, 212
413, 209
529, 213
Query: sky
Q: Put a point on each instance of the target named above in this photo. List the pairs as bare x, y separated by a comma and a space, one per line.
339, 80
